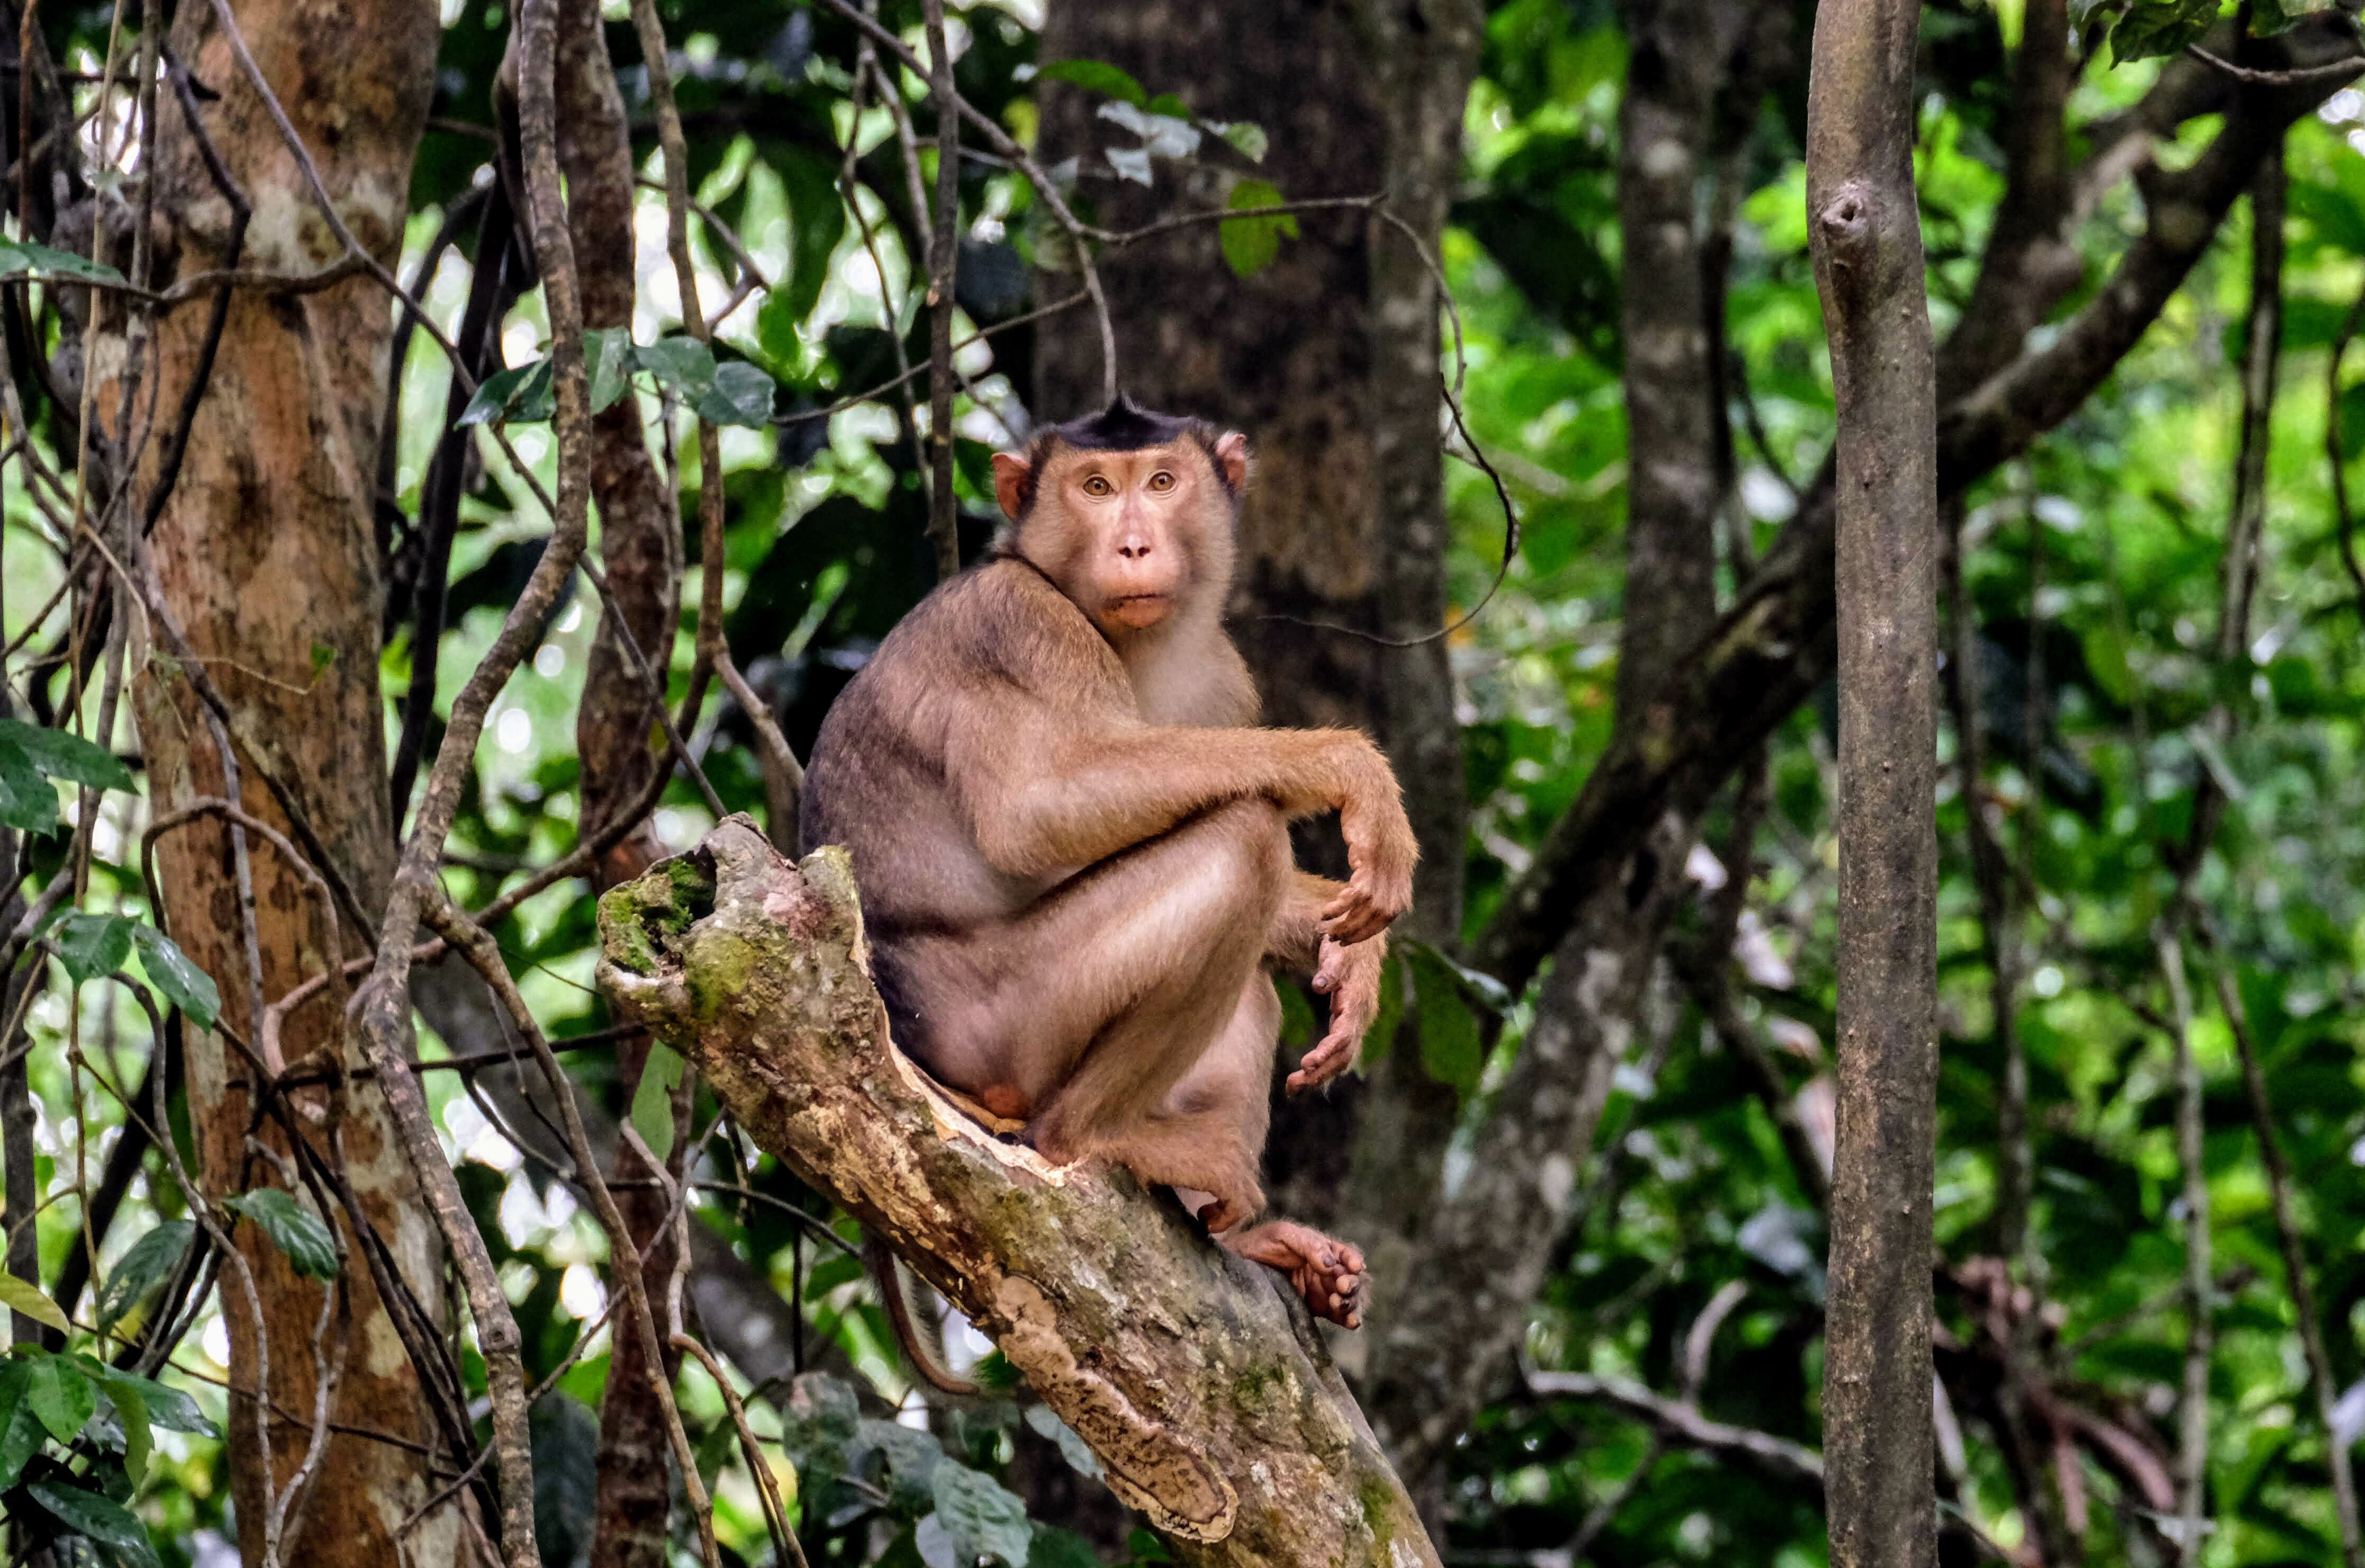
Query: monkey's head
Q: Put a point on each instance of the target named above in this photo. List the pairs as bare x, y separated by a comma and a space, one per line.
1130, 512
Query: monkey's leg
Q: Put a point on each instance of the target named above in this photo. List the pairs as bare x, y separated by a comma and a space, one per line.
1207, 1138
1221, 1109
1084, 1011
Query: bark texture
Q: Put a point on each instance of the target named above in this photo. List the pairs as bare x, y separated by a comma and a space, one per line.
1201, 1386
266, 555
1864, 231
640, 550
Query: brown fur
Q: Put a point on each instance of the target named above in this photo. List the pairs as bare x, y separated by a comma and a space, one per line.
1072, 843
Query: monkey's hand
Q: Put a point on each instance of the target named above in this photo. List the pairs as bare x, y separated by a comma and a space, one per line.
1350, 977
1381, 851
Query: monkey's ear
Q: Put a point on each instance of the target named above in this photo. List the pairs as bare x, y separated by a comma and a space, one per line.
1232, 458
1013, 476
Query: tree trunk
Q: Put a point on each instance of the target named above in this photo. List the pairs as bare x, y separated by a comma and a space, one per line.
1195, 1376
267, 558
1329, 360
640, 549
1864, 230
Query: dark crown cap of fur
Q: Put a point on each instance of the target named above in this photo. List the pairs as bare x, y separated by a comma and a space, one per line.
1123, 426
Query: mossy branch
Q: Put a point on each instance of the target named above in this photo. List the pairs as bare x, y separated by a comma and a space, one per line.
1205, 1390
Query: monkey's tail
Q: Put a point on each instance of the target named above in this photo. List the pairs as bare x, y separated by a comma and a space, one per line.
889, 1280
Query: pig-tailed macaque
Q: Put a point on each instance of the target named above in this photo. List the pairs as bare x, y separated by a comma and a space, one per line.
1072, 840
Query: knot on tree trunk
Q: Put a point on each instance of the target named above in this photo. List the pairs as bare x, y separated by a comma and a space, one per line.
1206, 1392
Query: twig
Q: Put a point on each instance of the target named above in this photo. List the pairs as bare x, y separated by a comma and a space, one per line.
944, 257
2298, 76
2192, 1459
1682, 1421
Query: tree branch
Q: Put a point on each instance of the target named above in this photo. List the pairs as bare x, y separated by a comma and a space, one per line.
1183, 1366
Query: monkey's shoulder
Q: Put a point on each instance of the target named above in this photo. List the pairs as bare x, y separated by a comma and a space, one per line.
1002, 621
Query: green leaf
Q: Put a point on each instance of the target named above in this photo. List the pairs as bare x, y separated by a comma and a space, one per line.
22, 1295
1245, 136
20, 1430
131, 1414
608, 360
1250, 244
683, 366
1096, 76
511, 397
1452, 1048
67, 756
741, 395
170, 970
169, 1409
1170, 106
816, 224
27, 803
22, 256
292, 1228
1074, 1448
110, 1524
324, 656
653, 1101
912, 1458
92, 946
982, 1519
148, 1265
61, 1395
2151, 28
2082, 12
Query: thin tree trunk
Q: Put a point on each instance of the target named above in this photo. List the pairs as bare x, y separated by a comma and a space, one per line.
640, 551
267, 559
1864, 230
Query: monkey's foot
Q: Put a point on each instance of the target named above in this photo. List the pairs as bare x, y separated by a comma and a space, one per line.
1329, 1274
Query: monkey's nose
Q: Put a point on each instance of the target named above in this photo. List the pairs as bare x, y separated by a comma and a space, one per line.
1134, 549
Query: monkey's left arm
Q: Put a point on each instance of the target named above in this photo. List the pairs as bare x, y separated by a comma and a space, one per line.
1348, 976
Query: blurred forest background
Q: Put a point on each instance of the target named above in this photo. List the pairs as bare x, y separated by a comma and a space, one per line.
1589, 1150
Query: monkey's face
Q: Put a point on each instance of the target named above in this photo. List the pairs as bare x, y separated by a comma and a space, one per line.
1131, 536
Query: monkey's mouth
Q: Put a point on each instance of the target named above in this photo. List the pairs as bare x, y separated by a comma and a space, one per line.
1140, 610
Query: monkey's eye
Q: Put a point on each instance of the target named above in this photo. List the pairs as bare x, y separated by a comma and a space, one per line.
1162, 481
1099, 486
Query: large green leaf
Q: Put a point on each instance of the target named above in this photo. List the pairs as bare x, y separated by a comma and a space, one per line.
110, 1524
293, 1228
23, 1296
183, 984
20, 1429
653, 1101
148, 1265
66, 756
1250, 244
19, 256
2150, 28
740, 394
512, 397
27, 803
92, 946
607, 361
61, 1395
983, 1517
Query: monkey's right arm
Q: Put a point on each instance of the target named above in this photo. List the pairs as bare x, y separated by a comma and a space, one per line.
1044, 792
